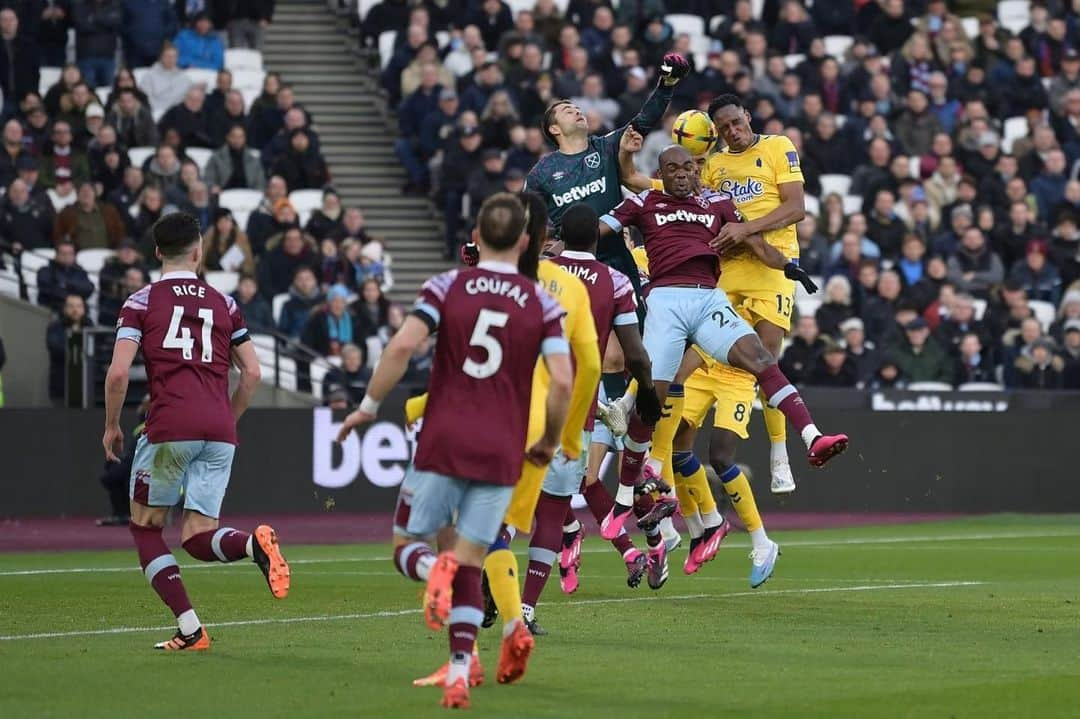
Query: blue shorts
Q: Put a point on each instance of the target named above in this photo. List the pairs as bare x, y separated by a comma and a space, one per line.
563, 478
678, 315
198, 470
403, 509
479, 507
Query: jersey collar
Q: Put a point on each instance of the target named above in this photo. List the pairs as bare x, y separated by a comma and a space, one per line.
180, 275
496, 266
575, 255
757, 139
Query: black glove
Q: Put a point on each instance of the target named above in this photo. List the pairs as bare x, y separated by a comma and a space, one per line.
793, 272
470, 254
648, 405
673, 68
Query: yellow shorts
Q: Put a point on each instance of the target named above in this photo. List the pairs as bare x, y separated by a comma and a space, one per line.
731, 390
527, 491
759, 293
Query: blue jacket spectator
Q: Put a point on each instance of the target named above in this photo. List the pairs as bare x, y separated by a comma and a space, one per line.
304, 296
199, 46
62, 277
147, 25
1039, 278
97, 27
1049, 185
439, 124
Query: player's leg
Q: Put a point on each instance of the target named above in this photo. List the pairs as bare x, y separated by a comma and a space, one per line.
600, 502
782, 480
153, 493
206, 479
722, 447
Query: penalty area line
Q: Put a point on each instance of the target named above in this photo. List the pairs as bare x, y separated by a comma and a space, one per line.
407, 612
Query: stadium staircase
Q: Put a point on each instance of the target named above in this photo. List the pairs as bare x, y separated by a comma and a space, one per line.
307, 43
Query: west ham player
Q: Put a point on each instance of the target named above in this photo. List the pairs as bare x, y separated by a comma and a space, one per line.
680, 229
493, 323
190, 334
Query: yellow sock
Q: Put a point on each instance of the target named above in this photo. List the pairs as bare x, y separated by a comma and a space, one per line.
664, 434
414, 408
687, 504
742, 498
502, 573
697, 485
775, 422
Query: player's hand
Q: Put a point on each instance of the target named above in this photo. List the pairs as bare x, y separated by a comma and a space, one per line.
470, 254
647, 405
631, 141
541, 453
793, 272
730, 234
673, 68
355, 419
113, 442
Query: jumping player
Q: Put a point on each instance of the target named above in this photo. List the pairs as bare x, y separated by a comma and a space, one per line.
680, 229
190, 334
493, 323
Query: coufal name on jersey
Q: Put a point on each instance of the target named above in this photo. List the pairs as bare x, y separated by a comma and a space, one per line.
663, 218
576, 194
496, 286
742, 191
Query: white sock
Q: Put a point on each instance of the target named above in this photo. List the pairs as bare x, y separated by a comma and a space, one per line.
667, 528
424, 565
572, 527
695, 525
528, 612
809, 433
778, 452
625, 495
759, 538
247, 548
459, 667
656, 465
711, 519
188, 622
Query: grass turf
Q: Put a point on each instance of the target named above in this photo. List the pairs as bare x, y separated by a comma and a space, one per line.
965, 618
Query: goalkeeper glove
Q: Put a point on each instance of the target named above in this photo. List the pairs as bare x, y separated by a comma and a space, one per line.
470, 254
793, 272
673, 68
648, 405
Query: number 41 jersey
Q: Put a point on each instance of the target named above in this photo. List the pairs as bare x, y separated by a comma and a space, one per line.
492, 324
187, 330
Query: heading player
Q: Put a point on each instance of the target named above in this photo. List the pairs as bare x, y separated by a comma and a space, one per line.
680, 229
190, 334
493, 323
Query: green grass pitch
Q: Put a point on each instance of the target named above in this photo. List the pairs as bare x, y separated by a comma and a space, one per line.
974, 618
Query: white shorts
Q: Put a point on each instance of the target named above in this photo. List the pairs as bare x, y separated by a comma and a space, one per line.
563, 478
680, 315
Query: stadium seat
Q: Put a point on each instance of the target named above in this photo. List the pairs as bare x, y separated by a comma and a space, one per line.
241, 217
807, 306
155, 275
981, 387
852, 204
1014, 15
318, 373
971, 27
838, 45
517, 6
692, 25
250, 94
140, 73
757, 7
263, 340
239, 199
715, 22
200, 156
9, 282
103, 94
980, 307
1013, 129
49, 76
92, 260
793, 61
199, 76
305, 202
363, 7
386, 47
813, 207
246, 78
34, 260
374, 351
830, 183
930, 387
442, 38
138, 155
1044, 312
277, 304
800, 291
223, 282
241, 58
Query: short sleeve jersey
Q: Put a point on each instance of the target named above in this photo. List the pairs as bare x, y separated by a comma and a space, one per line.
492, 323
677, 233
752, 178
187, 330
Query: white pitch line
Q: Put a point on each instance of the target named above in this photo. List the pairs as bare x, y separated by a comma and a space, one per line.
581, 602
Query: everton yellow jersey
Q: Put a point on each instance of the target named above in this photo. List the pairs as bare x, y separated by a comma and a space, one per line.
753, 178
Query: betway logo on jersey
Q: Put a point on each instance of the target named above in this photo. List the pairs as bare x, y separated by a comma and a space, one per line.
742, 191
662, 218
576, 194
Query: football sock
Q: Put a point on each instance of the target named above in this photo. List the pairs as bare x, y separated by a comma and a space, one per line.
696, 483
545, 544
414, 561
221, 545
160, 569
694, 525
652, 536
502, 573
570, 522
414, 408
599, 502
737, 487
776, 425
466, 613
664, 434
783, 395
636, 444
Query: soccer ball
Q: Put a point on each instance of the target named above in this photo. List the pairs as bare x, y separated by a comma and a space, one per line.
695, 131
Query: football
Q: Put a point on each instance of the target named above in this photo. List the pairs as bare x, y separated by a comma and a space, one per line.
695, 131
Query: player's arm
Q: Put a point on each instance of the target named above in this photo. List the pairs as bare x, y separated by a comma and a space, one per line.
775, 259
626, 213
557, 406
629, 176
673, 68
792, 209
245, 360
637, 361
587, 367
116, 385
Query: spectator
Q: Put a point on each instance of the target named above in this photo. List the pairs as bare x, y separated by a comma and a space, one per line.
1036, 275
254, 308
498, 118
332, 268
165, 84
571, 81
149, 210
11, 151
327, 218
19, 63
353, 226
861, 353
127, 194
266, 102
70, 76
917, 126
593, 99
836, 308
1071, 355
891, 29
795, 31
295, 118
248, 22
234, 164
1049, 185
133, 122
426, 63
273, 215
883, 227
1041, 369
62, 277
973, 364
913, 67
230, 114
114, 282
371, 309
888, 375
827, 149
920, 358
1067, 81
302, 167
226, 246
304, 296
73, 107
487, 179
64, 155
493, 18
163, 169
199, 204
278, 266
198, 46
833, 368
125, 79
1010, 239
25, 221
52, 33
97, 29
911, 264
329, 329
147, 25
88, 223
424, 100
1069, 310
476, 95
974, 267
461, 161
190, 119
72, 320
849, 259
362, 263
63, 194
525, 155
351, 379
1025, 91
799, 357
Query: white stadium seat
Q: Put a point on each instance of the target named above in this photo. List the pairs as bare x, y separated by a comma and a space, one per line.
305, 202
852, 204
1013, 129
92, 260
200, 156
278, 304
830, 183
971, 27
199, 76
838, 45
223, 282
364, 6
1044, 312
793, 61
800, 291
49, 76
1014, 15
386, 47
241, 58
930, 387
241, 217
137, 155
250, 94
812, 206
807, 306
318, 372
243, 79
103, 94
692, 25
240, 199
517, 6
981, 387
140, 73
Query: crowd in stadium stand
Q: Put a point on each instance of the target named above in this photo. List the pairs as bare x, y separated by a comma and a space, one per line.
70, 184
940, 146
